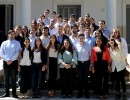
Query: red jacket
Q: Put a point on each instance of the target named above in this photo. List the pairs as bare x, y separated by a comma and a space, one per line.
106, 55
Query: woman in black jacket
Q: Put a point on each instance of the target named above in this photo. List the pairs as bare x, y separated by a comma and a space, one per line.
39, 59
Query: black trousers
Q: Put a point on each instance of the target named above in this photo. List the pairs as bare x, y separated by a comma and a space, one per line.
67, 80
101, 77
25, 78
120, 78
52, 73
10, 72
83, 72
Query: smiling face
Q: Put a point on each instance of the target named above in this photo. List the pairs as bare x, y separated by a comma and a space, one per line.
66, 44
98, 42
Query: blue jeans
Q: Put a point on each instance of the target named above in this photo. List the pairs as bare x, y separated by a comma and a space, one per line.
36, 77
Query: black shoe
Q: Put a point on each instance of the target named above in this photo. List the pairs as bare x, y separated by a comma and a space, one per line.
69, 95
33, 95
79, 95
118, 96
4, 95
15, 96
124, 95
63, 96
38, 95
87, 96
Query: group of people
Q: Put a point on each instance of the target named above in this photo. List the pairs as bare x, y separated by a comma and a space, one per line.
55, 48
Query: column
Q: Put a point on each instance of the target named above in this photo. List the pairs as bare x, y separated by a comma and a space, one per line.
26, 12
111, 14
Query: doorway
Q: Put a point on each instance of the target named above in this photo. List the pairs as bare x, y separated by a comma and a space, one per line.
6, 20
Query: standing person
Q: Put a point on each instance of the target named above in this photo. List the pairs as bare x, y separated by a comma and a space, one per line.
100, 62
84, 52
25, 67
39, 60
103, 28
98, 33
9, 52
45, 38
74, 36
119, 63
71, 21
25, 32
32, 37
52, 49
117, 36
67, 61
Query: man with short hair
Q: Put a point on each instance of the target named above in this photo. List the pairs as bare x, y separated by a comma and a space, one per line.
9, 52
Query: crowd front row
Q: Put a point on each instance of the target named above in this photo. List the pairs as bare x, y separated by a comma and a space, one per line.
62, 59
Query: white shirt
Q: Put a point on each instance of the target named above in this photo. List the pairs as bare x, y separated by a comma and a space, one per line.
32, 40
57, 23
25, 59
74, 40
125, 46
45, 40
37, 57
118, 59
53, 31
52, 53
84, 51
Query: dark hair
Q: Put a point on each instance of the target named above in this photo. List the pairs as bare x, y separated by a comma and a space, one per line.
47, 29
27, 34
102, 21
80, 35
102, 45
104, 39
35, 46
74, 26
54, 12
55, 44
10, 31
65, 19
59, 15
29, 49
70, 49
73, 15
115, 44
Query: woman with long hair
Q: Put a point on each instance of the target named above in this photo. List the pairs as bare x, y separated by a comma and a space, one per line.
118, 66
25, 67
39, 60
67, 61
100, 63
52, 49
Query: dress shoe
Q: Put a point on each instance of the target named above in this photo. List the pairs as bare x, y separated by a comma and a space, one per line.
118, 96
79, 95
4, 95
63, 96
15, 96
33, 95
69, 95
87, 96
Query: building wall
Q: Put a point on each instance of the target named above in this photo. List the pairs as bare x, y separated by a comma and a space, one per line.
97, 9
38, 6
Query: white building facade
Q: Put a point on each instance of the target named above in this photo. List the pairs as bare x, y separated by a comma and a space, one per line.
116, 13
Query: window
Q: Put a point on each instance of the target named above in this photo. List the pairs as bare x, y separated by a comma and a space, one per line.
66, 10
128, 26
